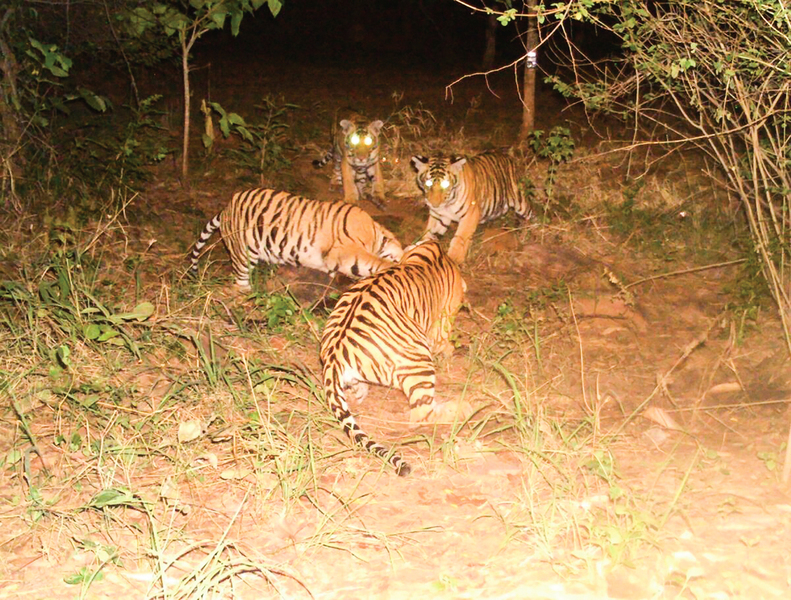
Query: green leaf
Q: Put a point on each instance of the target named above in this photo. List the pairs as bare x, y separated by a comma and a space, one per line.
236, 21
57, 71
107, 333
62, 354
76, 578
224, 126
236, 119
141, 312
96, 102
218, 18
218, 107
274, 6
207, 141
113, 497
89, 401
13, 457
245, 133
92, 331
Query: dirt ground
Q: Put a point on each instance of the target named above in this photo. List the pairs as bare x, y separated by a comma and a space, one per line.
665, 420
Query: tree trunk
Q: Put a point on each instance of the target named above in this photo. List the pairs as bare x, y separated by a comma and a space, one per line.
529, 80
185, 148
11, 161
491, 43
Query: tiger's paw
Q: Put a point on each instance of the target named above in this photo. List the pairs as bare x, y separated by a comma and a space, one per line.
449, 412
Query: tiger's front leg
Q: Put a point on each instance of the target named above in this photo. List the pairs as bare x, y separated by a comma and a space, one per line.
378, 186
460, 243
435, 228
350, 192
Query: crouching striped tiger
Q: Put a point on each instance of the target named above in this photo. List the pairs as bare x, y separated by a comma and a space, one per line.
467, 191
355, 154
384, 330
264, 225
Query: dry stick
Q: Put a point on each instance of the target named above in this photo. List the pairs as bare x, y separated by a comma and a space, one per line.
787, 460
732, 405
688, 349
685, 271
582, 358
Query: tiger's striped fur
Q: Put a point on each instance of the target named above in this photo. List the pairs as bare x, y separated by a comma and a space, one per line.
265, 225
384, 330
468, 191
355, 157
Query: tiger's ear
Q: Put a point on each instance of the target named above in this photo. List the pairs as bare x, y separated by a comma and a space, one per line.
418, 163
375, 127
456, 163
346, 125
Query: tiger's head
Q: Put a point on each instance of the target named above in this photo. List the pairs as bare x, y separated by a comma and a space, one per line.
361, 143
438, 177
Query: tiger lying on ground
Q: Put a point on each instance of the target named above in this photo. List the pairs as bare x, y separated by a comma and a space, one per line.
384, 330
355, 154
468, 191
264, 225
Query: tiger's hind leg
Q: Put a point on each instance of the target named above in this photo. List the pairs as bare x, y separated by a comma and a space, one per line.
418, 384
242, 265
520, 204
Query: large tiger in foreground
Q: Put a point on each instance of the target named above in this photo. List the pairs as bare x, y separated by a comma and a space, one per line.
355, 157
384, 330
468, 191
269, 226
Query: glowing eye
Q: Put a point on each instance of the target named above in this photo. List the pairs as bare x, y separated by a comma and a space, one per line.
429, 182
355, 139
368, 140
444, 184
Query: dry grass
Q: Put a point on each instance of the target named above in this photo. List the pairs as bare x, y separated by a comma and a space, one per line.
187, 453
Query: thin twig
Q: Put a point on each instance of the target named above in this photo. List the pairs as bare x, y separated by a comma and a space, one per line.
685, 271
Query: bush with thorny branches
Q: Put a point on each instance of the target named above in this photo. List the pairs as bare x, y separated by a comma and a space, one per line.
714, 74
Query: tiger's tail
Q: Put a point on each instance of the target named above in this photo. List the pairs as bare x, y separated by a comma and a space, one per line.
207, 232
326, 159
336, 399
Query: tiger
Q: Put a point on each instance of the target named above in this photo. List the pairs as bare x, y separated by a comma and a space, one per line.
355, 154
468, 191
276, 227
384, 330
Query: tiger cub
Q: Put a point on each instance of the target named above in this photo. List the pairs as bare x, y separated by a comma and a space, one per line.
355, 154
264, 225
468, 191
384, 330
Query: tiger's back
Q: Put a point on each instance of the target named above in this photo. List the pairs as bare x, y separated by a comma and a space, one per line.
355, 157
384, 330
468, 191
275, 227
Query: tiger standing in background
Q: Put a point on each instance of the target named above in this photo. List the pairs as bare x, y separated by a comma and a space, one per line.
269, 226
468, 191
384, 330
355, 157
